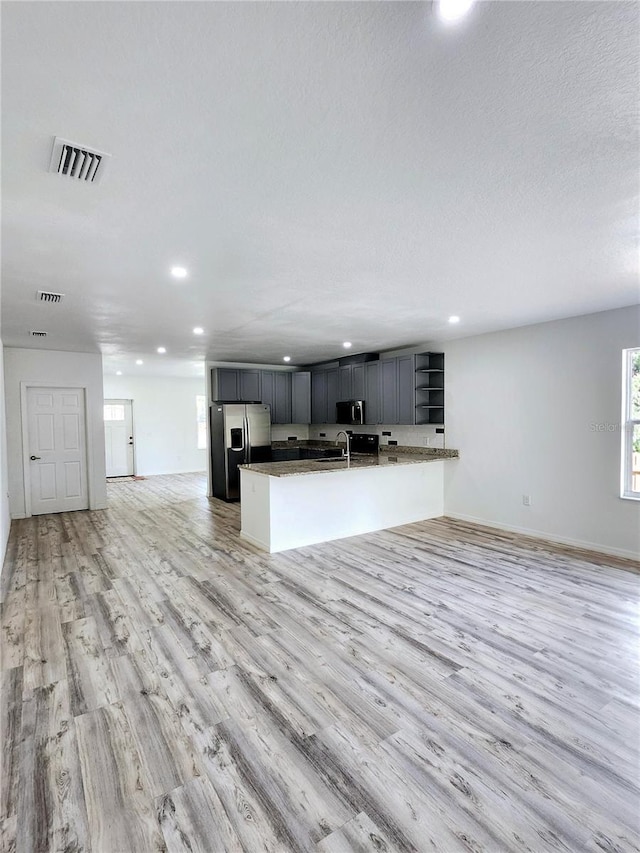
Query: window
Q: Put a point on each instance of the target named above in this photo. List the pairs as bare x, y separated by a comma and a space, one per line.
201, 412
631, 418
114, 412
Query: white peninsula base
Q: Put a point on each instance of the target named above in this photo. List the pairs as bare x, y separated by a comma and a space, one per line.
282, 512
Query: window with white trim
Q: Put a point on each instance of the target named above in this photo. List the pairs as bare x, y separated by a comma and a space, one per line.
201, 416
631, 420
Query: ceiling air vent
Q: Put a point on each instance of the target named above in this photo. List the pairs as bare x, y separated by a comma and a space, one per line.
38, 334
49, 297
77, 161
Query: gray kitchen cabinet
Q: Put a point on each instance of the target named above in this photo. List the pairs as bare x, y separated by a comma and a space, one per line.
389, 391
282, 398
344, 383
319, 397
332, 395
406, 389
397, 385
225, 386
268, 390
357, 382
249, 386
276, 393
301, 397
372, 407
232, 385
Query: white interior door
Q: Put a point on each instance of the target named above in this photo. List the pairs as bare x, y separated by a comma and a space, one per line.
57, 450
118, 437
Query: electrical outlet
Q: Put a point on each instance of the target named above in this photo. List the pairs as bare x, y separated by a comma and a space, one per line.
392, 442
322, 434
526, 500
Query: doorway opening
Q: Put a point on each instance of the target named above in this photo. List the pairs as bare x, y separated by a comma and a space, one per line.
118, 438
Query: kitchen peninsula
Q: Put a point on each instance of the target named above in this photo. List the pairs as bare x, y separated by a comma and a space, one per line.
291, 504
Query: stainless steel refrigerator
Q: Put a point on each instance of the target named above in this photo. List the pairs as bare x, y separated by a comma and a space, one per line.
240, 433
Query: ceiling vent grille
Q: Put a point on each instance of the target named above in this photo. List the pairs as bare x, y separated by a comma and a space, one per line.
38, 334
49, 297
77, 161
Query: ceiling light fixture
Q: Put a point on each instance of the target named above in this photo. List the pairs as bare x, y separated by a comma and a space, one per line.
118, 373
198, 330
139, 361
161, 350
347, 344
451, 11
286, 358
178, 272
454, 319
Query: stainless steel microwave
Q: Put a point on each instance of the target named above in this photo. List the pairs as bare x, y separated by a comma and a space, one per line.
350, 412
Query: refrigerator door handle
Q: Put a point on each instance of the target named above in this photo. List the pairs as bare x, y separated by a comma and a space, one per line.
247, 455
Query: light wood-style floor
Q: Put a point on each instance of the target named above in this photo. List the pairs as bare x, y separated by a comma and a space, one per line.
438, 687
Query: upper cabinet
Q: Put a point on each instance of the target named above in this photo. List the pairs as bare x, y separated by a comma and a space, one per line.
398, 390
332, 395
230, 385
301, 397
281, 411
250, 388
407, 389
272, 387
319, 397
325, 393
225, 385
372, 393
429, 383
351, 382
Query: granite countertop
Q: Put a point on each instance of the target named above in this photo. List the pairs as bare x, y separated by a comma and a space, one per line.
358, 462
426, 452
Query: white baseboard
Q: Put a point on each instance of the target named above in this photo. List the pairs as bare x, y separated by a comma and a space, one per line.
549, 537
253, 541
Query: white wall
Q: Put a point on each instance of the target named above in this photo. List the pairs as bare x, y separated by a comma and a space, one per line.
164, 421
5, 517
521, 407
65, 370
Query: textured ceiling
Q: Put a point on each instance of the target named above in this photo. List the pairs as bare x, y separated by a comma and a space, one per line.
326, 171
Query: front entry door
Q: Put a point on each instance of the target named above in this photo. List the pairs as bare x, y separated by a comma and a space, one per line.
57, 449
118, 437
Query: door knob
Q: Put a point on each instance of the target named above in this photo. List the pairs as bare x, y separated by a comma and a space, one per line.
33, 458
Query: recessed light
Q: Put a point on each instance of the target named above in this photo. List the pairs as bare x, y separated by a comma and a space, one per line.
179, 272
161, 350
139, 361
198, 330
118, 373
347, 344
451, 11
454, 319
286, 358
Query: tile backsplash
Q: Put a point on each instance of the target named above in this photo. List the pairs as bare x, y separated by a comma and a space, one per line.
281, 432
410, 436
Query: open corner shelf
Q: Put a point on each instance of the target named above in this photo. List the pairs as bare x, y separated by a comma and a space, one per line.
430, 388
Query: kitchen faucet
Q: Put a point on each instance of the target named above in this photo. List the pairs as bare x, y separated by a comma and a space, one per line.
346, 454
